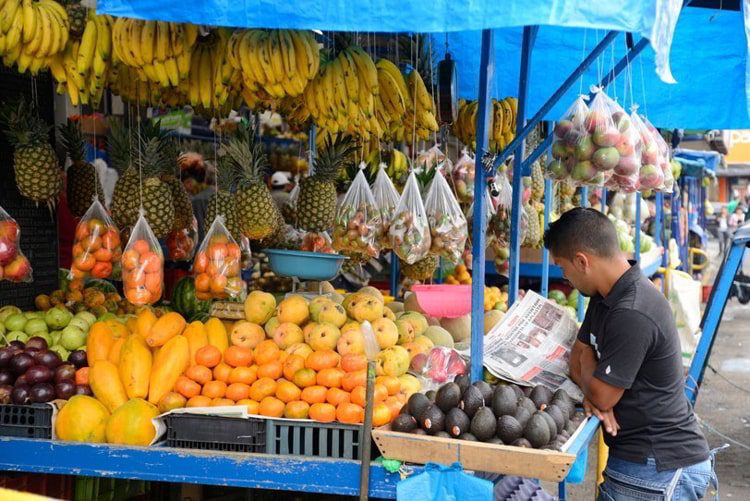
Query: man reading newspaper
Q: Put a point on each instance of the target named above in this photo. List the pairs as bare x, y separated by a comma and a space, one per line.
628, 362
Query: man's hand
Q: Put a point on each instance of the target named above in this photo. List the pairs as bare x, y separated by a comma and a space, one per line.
606, 417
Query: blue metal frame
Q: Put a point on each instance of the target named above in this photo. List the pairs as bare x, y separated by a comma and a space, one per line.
637, 244
545, 251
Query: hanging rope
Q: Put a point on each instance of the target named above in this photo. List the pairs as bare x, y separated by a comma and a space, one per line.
643, 88
140, 163
583, 55
414, 124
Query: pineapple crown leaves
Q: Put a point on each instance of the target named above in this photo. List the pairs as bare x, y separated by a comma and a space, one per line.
119, 145
333, 156
245, 156
225, 175
72, 139
23, 126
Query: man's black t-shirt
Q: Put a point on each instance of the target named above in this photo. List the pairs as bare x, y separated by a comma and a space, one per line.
633, 333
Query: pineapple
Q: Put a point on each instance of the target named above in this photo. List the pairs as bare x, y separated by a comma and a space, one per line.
158, 204
316, 205
257, 213
222, 203
83, 183
537, 181
421, 270
77, 15
533, 229
183, 206
126, 196
38, 173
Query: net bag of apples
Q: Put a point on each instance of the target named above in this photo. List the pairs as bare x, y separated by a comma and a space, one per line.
357, 220
96, 248
409, 230
217, 264
447, 222
142, 265
14, 266
568, 132
386, 200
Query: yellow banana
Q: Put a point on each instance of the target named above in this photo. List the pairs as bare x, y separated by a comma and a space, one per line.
250, 58
37, 37
48, 33
277, 60
8, 14
309, 38
205, 78
162, 41
15, 32
104, 42
134, 41
398, 79
191, 35
59, 10
29, 21
55, 28
146, 41
366, 67
417, 85
232, 49
303, 55
339, 84
264, 57
172, 72
87, 48
73, 93
183, 64
287, 51
393, 99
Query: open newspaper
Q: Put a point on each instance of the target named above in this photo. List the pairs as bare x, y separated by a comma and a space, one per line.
531, 345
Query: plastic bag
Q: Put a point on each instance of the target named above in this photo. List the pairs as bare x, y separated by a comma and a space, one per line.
409, 231
14, 266
96, 247
568, 132
142, 265
664, 156
217, 264
463, 177
433, 158
650, 175
624, 176
317, 242
447, 222
386, 199
181, 243
439, 483
357, 220
439, 365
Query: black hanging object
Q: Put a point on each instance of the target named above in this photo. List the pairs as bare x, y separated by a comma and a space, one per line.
447, 90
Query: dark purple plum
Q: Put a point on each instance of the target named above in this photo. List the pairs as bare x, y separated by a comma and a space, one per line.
78, 358
5, 355
84, 389
17, 344
64, 371
21, 363
48, 359
38, 374
65, 389
42, 392
7, 377
20, 394
37, 342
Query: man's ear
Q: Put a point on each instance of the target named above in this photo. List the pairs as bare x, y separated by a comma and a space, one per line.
581, 261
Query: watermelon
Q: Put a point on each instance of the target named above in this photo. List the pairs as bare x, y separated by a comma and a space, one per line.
184, 301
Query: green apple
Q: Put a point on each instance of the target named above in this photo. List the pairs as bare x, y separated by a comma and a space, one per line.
107, 316
89, 317
55, 335
72, 338
7, 311
2, 328
45, 336
60, 351
80, 323
16, 322
17, 336
35, 326
34, 314
58, 317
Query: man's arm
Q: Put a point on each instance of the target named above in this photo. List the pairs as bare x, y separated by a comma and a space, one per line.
602, 395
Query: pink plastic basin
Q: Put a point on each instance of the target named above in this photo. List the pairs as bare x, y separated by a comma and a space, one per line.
444, 301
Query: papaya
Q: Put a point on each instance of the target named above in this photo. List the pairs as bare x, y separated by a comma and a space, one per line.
167, 327
118, 328
173, 358
217, 334
135, 366
82, 419
145, 320
99, 342
130, 424
197, 338
104, 380
132, 324
115, 351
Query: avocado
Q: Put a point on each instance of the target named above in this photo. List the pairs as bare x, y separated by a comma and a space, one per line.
433, 420
570, 428
537, 431
430, 395
504, 401
468, 436
483, 424
561, 394
556, 414
517, 390
404, 423
540, 395
457, 422
418, 403
509, 429
568, 408
448, 396
419, 431
495, 440
527, 404
443, 434
550, 424
526, 390
522, 415
463, 381
521, 442
471, 400
486, 390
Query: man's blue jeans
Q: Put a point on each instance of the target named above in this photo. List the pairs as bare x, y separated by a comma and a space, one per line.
626, 481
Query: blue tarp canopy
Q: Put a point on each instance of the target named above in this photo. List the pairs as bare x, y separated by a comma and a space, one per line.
708, 160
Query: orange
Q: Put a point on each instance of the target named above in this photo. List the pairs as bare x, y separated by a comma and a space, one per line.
238, 391
82, 375
82, 231
359, 395
336, 396
287, 392
233, 250
297, 409
103, 254
219, 402
150, 262
266, 351
246, 375
217, 252
201, 262
140, 246
380, 393
138, 295
208, 355
222, 372
283, 355
272, 407
292, 364
262, 388
353, 379
218, 284
202, 282
92, 243
304, 378
330, 378
199, 373
237, 356
252, 405
353, 362
392, 384
394, 405
84, 262
153, 281
215, 389
271, 369
199, 401
381, 414
130, 259
322, 359
314, 394
187, 387
325, 413
350, 413
111, 239
103, 270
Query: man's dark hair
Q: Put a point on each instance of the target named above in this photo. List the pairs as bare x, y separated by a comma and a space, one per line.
582, 230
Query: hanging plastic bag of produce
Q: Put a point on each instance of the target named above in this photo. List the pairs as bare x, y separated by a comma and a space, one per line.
386, 199
568, 132
447, 221
357, 219
409, 230
664, 157
595, 151
498, 231
217, 264
181, 243
463, 177
650, 175
624, 176
14, 266
317, 242
434, 158
142, 265
96, 248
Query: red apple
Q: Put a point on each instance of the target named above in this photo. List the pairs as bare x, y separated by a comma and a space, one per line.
9, 230
7, 251
18, 269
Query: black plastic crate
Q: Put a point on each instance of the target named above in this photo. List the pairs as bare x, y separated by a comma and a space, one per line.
302, 438
216, 433
26, 421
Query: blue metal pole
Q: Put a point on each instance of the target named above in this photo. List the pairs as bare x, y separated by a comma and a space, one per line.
581, 307
394, 274
529, 36
486, 67
545, 252
666, 233
659, 219
637, 244
311, 148
603, 201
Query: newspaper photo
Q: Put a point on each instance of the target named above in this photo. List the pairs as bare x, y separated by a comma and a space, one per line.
531, 345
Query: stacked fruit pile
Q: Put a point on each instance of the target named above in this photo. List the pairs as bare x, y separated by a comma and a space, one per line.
506, 414
460, 275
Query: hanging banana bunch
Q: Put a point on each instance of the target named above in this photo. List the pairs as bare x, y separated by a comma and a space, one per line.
421, 121
503, 122
395, 101
31, 32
